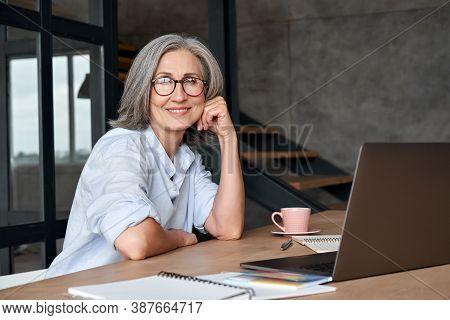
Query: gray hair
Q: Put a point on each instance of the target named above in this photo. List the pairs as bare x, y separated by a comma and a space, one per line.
134, 111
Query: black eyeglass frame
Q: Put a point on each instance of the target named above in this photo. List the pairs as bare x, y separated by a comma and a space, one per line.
205, 86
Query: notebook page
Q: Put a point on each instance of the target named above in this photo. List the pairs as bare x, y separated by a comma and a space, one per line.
320, 244
159, 288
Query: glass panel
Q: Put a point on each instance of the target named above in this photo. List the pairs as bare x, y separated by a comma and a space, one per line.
59, 245
27, 4
28, 257
87, 11
61, 108
73, 84
82, 108
22, 102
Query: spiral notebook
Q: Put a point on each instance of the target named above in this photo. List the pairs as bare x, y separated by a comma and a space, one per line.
164, 286
172, 286
320, 244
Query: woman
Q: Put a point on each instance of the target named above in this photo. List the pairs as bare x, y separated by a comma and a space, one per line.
142, 189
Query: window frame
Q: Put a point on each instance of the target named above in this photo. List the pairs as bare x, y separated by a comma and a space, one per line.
105, 37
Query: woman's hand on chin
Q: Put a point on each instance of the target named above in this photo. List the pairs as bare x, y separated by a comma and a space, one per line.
216, 118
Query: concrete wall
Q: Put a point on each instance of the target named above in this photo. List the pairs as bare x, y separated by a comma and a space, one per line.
288, 49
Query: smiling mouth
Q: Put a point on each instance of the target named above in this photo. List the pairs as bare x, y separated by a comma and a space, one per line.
178, 111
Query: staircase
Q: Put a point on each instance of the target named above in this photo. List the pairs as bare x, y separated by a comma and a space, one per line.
277, 172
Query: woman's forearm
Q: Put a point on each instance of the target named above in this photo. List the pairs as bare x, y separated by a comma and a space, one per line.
227, 216
148, 239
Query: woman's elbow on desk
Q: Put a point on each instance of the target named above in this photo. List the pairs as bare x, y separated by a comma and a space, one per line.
135, 255
141, 241
131, 247
230, 231
230, 236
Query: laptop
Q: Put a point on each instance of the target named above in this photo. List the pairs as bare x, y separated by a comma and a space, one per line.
397, 218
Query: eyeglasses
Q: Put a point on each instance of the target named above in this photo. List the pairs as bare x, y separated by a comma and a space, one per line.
192, 86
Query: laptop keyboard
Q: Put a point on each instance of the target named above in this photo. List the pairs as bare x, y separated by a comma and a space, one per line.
321, 267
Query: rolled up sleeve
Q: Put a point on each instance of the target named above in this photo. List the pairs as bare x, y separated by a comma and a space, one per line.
118, 191
204, 194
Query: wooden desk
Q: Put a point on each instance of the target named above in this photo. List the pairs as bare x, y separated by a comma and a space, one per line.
215, 256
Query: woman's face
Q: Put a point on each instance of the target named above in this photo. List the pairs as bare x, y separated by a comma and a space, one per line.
177, 111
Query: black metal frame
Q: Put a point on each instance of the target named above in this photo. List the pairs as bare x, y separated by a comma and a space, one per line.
222, 42
110, 63
39, 21
17, 17
4, 152
46, 132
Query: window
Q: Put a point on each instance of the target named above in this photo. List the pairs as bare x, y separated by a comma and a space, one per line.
49, 121
72, 127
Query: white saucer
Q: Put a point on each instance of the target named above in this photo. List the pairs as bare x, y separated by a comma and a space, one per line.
295, 233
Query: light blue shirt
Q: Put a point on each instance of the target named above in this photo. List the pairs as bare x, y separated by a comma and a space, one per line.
127, 179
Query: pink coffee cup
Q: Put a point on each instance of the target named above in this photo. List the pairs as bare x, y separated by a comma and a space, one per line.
295, 220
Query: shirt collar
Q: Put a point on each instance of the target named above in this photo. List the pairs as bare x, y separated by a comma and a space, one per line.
183, 158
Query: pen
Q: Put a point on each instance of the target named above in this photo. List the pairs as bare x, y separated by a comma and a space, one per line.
286, 245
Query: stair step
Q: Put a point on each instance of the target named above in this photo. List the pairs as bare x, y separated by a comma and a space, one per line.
262, 142
319, 181
258, 130
338, 206
126, 47
264, 155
